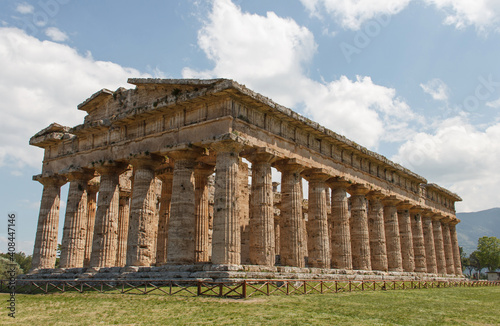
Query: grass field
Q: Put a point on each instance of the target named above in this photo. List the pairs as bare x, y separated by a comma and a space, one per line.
448, 306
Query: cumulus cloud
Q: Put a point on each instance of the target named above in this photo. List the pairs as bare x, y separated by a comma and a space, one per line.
43, 82
56, 34
269, 53
24, 8
483, 14
459, 156
351, 14
437, 89
494, 104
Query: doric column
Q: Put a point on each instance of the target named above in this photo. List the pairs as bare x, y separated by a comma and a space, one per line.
376, 228
393, 241
404, 221
448, 251
454, 245
201, 174
438, 244
340, 239
262, 236
142, 222
244, 212
291, 221
226, 240
182, 222
318, 245
360, 239
418, 240
166, 176
123, 224
75, 222
430, 251
45, 250
92, 189
104, 243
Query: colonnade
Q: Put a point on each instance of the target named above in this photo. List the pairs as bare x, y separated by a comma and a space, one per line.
349, 226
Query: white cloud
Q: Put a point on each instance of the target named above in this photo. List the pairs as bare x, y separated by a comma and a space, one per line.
351, 14
460, 157
483, 14
25, 8
41, 83
437, 89
56, 34
494, 104
268, 54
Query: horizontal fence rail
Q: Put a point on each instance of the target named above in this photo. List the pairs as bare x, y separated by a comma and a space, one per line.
230, 289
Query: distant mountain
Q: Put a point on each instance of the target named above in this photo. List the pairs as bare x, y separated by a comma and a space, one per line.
476, 225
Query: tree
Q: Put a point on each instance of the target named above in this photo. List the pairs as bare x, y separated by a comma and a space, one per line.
488, 252
464, 259
21, 258
6, 266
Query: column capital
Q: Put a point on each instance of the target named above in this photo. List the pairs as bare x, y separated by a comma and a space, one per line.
312, 175
109, 167
204, 169
260, 155
186, 153
148, 161
227, 146
391, 201
375, 195
358, 190
339, 182
454, 221
437, 217
404, 205
290, 165
416, 210
50, 179
446, 219
77, 174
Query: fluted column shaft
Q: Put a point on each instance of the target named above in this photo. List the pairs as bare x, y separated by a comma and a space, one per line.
448, 251
430, 251
91, 211
418, 242
291, 223
182, 222
318, 245
393, 241
201, 174
360, 239
166, 177
75, 222
105, 239
407, 253
456, 250
378, 249
226, 240
45, 249
123, 225
341, 234
262, 236
439, 245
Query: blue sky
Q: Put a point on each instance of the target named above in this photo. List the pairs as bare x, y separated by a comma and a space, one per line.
415, 80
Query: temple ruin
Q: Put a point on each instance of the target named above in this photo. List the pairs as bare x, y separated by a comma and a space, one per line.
174, 177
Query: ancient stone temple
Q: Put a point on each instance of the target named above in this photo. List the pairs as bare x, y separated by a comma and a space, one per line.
175, 175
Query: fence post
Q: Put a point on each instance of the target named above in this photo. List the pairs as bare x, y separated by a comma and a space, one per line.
198, 291
244, 289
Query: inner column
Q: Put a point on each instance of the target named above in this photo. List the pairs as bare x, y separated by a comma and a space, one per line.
404, 221
438, 244
454, 244
341, 235
448, 251
393, 241
166, 176
376, 230
201, 174
360, 240
418, 240
430, 251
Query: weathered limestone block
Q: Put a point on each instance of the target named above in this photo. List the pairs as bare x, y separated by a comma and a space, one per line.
244, 211
317, 225
44, 253
104, 243
92, 189
360, 240
430, 251
418, 240
438, 244
376, 228
226, 241
262, 222
405, 234
141, 250
166, 176
291, 220
182, 222
340, 239
75, 222
456, 250
201, 174
448, 249
393, 240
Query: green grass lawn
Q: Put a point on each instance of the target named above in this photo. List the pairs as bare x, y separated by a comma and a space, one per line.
448, 306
